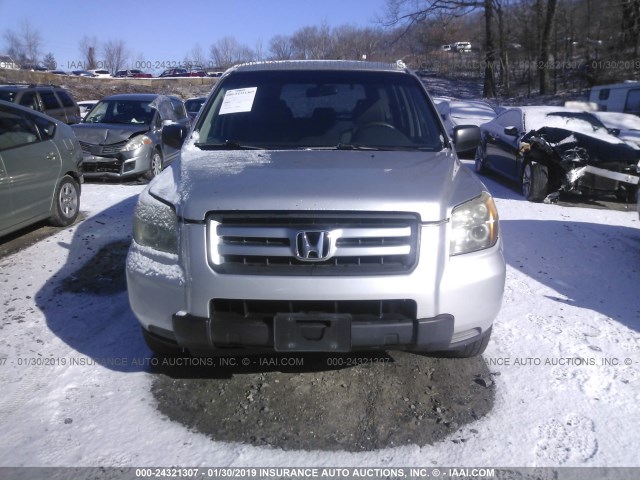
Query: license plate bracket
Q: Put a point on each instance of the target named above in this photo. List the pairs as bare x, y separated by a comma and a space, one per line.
312, 332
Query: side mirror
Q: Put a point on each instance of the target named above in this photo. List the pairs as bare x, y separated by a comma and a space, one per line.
466, 137
173, 135
511, 131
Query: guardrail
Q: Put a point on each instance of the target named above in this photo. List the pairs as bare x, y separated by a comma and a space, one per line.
26, 76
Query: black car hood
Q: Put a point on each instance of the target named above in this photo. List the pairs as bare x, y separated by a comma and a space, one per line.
107, 133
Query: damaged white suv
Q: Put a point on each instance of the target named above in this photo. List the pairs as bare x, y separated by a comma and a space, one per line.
317, 207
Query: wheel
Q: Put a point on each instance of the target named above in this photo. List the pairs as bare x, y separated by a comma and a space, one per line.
535, 181
156, 165
66, 202
481, 159
161, 347
472, 349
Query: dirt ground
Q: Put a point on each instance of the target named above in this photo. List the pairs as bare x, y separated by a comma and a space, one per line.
353, 402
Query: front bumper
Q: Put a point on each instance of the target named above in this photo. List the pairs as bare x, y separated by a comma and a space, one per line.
127, 164
456, 301
202, 335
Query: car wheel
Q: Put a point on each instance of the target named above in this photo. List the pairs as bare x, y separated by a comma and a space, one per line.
161, 347
535, 181
156, 165
66, 202
481, 158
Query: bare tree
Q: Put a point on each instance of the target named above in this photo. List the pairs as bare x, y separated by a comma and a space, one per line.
115, 55
489, 90
196, 56
412, 12
227, 52
543, 70
49, 62
24, 45
281, 47
258, 52
88, 50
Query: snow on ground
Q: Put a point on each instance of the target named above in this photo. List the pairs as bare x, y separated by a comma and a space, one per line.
565, 354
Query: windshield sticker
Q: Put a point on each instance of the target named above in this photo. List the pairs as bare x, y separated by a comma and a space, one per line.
238, 100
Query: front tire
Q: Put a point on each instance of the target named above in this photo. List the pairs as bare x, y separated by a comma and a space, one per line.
481, 160
535, 181
160, 347
473, 349
156, 165
66, 202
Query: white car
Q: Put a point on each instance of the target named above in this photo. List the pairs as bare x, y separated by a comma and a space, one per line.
455, 112
101, 73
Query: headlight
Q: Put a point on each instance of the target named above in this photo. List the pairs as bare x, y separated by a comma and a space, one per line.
474, 225
155, 224
136, 143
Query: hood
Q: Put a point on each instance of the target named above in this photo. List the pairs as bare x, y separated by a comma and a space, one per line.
315, 180
107, 133
581, 148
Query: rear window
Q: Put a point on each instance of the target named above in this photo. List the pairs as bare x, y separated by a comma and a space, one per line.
49, 99
65, 98
30, 100
322, 108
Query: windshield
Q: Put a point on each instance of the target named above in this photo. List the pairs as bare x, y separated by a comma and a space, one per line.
321, 109
193, 105
121, 111
582, 117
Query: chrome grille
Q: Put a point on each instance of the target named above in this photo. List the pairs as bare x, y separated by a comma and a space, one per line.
102, 150
370, 244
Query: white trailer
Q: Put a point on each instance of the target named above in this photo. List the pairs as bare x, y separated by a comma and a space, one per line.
619, 97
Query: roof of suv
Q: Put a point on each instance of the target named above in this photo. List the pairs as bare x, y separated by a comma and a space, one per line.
133, 96
22, 86
318, 65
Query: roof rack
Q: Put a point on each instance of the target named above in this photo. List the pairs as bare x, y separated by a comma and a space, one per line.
28, 85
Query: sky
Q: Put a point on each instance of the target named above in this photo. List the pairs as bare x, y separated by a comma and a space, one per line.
163, 31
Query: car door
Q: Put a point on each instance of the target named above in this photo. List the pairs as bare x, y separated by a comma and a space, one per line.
6, 206
31, 162
172, 110
503, 143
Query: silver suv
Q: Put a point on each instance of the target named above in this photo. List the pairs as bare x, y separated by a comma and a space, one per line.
317, 207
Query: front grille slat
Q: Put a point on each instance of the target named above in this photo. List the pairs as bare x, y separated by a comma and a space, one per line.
109, 150
267, 309
255, 244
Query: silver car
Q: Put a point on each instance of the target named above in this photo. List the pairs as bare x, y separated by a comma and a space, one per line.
121, 136
39, 169
317, 207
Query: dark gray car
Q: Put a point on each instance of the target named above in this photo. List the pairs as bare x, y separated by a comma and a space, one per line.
39, 169
50, 99
121, 136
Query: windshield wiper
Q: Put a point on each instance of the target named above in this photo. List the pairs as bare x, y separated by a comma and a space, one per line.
226, 145
349, 146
